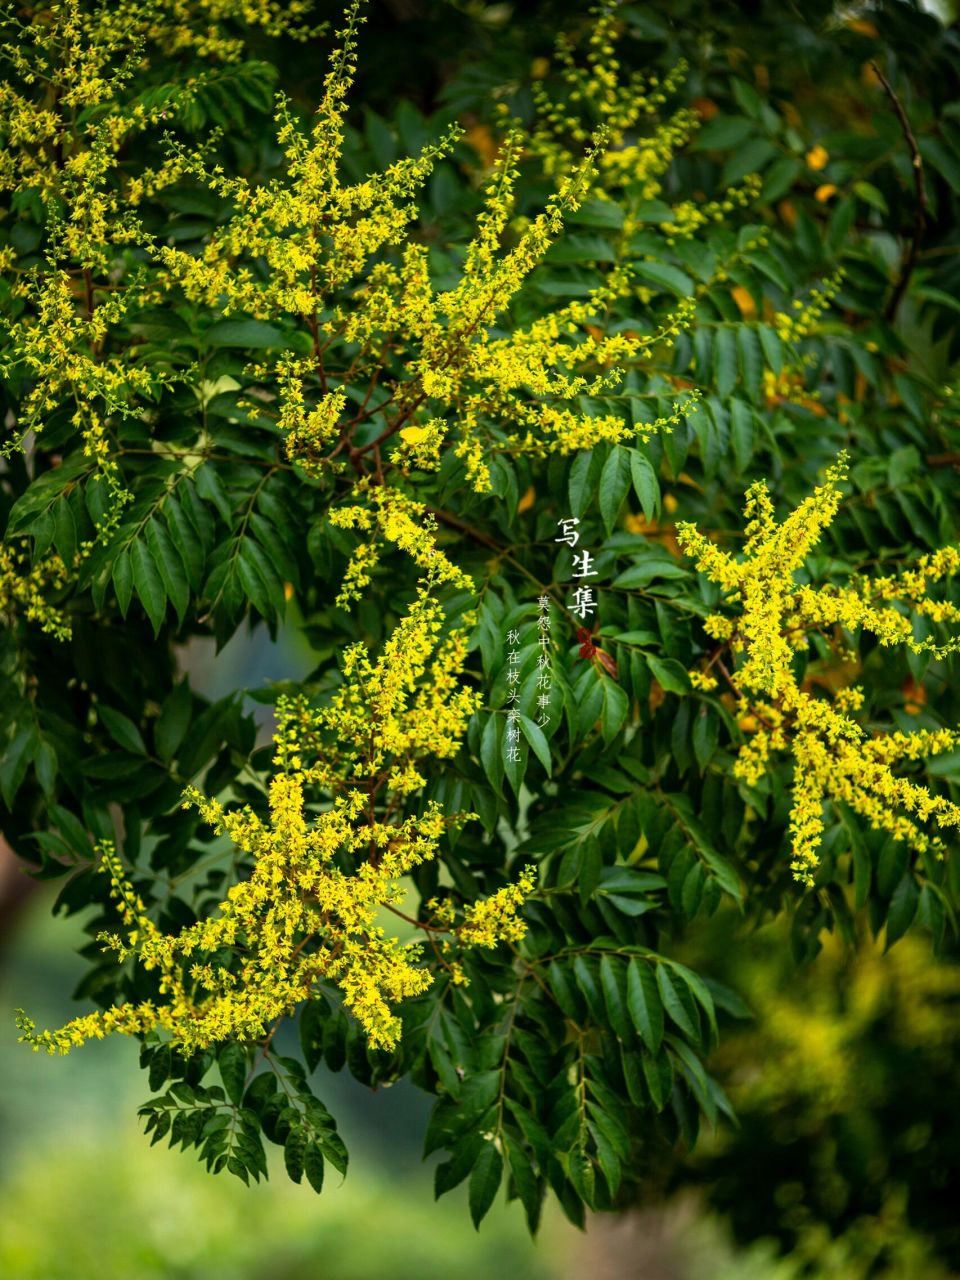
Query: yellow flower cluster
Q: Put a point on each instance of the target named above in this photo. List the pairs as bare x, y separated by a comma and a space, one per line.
644, 162
598, 90
495, 919
308, 912
432, 362
24, 587
69, 105
308, 431
83, 56
404, 522
689, 217
803, 320
297, 921
624, 104
422, 444
334, 258
833, 757
702, 680
58, 348
388, 714
861, 604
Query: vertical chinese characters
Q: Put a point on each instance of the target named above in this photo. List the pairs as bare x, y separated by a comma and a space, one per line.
513, 695
584, 601
543, 662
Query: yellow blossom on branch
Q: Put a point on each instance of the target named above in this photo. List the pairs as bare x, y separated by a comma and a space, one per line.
308, 912
24, 588
834, 760
404, 522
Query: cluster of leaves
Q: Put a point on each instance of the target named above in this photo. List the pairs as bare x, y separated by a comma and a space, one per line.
226, 1123
751, 252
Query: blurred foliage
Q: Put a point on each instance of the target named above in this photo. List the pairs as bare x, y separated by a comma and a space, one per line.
146, 1216
848, 1141
761, 206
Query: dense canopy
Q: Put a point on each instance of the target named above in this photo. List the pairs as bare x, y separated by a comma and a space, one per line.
589, 407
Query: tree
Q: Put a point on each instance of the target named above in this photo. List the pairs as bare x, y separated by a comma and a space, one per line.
481, 410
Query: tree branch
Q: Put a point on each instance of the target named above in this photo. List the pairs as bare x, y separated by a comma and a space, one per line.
920, 215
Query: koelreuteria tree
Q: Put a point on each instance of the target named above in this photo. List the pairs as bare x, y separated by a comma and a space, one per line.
485, 413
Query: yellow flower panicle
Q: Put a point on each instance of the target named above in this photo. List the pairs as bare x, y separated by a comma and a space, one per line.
834, 759
331, 257
404, 522
433, 355
69, 105
309, 912
24, 589
308, 430
495, 919
388, 714
598, 89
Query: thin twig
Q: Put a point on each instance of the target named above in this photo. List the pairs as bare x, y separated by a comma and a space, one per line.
418, 924
920, 215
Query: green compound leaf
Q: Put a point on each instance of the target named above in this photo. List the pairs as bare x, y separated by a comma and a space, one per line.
148, 584
485, 1181
644, 1003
